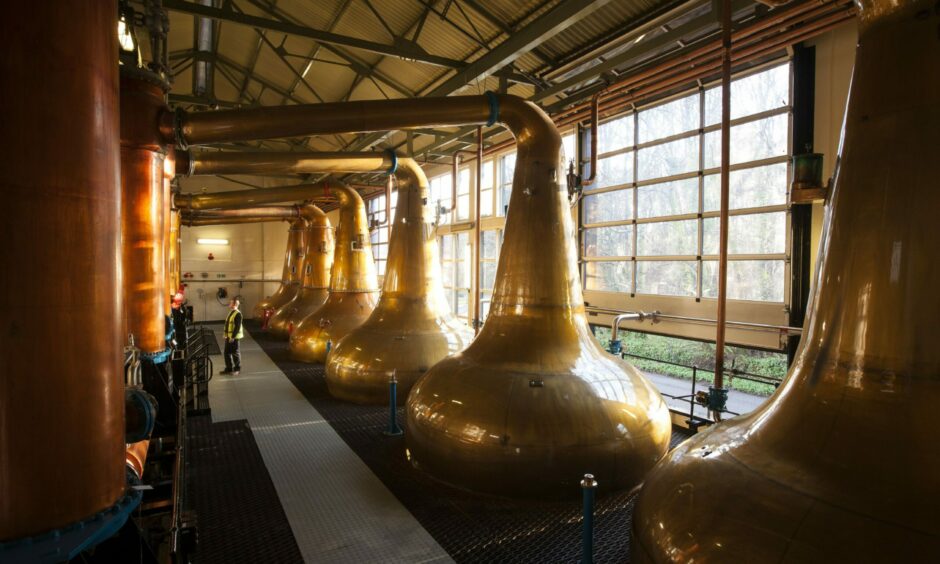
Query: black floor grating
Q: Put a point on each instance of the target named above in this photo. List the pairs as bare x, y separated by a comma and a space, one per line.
239, 516
470, 527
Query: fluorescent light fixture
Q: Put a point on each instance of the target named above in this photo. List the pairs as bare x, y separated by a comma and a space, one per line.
212, 241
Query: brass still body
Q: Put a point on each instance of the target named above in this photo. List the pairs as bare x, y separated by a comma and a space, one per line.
61, 376
353, 283
534, 402
841, 464
314, 278
412, 327
290, 274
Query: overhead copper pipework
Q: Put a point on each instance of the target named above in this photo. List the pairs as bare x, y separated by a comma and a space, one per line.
412, 327
840, 464
61, 374
534, 400
315, 264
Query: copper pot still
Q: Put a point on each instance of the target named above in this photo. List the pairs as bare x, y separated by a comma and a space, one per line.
534, 403
412, 327
290, 274
319, 248
353, 283
841, 464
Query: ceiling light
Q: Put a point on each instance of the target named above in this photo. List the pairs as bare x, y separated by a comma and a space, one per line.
212, 241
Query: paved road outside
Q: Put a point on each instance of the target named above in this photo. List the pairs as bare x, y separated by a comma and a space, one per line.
739, 402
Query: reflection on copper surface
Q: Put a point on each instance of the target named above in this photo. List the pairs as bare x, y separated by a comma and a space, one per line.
840, 465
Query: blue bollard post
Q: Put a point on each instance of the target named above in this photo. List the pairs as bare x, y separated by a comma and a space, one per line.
588, 487
393, 429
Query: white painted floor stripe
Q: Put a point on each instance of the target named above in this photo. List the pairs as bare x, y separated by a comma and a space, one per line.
337, 508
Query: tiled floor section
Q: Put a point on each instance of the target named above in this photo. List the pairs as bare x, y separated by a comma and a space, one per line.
338, 509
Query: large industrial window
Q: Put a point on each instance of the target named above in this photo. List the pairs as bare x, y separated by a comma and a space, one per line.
651, 217
441, 197
486, 188
455, 272
490, 242
380, 227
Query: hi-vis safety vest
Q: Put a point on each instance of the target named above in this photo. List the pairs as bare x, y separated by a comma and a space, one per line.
230, 325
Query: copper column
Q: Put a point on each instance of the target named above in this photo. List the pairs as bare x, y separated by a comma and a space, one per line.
144, 205
61, 376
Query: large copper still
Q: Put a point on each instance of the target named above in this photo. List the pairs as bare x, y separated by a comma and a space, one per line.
61, 377
840, 465
290, 274
412, 327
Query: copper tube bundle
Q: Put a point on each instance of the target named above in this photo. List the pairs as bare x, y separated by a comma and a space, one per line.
61, 389
841, 464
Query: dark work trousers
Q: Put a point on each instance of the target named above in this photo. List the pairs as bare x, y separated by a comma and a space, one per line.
233, 356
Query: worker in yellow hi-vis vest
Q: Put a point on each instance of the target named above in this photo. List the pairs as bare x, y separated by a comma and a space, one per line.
233, 334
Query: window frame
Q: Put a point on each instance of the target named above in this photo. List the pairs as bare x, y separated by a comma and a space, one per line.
700, 174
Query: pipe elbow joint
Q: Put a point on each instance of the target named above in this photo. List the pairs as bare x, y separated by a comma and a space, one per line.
140, 415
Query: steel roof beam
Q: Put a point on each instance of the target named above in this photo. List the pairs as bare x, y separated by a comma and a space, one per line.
404, 51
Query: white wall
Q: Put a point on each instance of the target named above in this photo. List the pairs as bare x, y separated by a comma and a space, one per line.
250, 266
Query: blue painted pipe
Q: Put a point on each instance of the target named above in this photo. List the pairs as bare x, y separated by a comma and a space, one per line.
588, 487
615, 347
393, 429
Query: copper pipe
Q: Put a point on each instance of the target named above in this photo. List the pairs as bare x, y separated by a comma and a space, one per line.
477, 237
412, 327
203, 221
595, 104
61, 372
712, 50
144, 228
135, 457
722, 305
537, 331
740, 56
796, 478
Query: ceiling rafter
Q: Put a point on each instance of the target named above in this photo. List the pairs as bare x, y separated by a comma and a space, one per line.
227, 15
